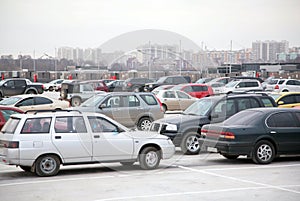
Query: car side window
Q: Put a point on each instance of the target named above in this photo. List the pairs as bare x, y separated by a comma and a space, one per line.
10, 83
282, 119
131, 101
99, 125
70, 125
289, 99
36, 125
42, 101
169, 94
26, 102
149, 99
182, 95
113, 102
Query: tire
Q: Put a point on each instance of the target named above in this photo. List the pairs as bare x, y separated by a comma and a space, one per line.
47, 165
190, 143
75, 102
263, 152
144, 123
127, 163
51, 88
31, 92
285, 90
149, 158
25, 168
230, 157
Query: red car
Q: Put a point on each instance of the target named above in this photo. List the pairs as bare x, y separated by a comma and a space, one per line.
195, 90
5, 113
98, 85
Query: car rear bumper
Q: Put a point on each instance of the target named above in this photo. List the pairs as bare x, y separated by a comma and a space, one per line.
226, 147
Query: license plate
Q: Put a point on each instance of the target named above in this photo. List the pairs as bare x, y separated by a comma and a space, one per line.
212, 149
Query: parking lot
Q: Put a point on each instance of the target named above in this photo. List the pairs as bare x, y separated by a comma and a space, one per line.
207, 176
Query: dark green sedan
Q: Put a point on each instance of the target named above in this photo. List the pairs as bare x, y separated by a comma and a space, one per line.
261, 134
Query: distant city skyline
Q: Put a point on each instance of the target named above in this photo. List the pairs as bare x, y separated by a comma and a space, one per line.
38, 27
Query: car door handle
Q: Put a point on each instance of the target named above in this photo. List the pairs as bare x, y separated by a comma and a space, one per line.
57, 137
96, 136
273, 132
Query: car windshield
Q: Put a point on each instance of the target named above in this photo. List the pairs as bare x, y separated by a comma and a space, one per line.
200, 107
231, 84
161, 80
10, 101
93, 101
245, 117
2, 81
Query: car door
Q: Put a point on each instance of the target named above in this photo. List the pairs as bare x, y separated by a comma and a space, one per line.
72, 139
9, 88
131, 109
171, 100
109, 142
184, 100
284, 128
288, 101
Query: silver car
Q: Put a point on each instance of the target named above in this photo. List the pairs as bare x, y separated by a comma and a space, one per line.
43, 141
128, 108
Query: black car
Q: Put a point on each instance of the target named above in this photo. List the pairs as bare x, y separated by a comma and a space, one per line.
184, 129
135, 84
260, 134
167, 80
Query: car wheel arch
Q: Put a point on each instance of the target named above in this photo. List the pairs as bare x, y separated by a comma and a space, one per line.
265, 138
151, 145
53, 154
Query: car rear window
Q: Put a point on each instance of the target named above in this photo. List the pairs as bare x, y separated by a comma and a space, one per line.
10, 126
149, 99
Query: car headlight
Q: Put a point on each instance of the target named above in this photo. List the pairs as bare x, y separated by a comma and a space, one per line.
171, 127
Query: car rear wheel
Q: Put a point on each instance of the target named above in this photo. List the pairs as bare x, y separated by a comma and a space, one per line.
144, 123
51, 88
149, 158
47, 165
75, 101
263, 152
190, 143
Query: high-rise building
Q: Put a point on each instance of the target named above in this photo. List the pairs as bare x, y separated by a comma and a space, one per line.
266, 51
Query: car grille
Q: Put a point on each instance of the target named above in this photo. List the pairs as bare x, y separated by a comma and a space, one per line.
157, 127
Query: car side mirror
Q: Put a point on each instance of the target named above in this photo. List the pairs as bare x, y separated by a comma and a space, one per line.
280, 103
213, 116
102, 106
5, 84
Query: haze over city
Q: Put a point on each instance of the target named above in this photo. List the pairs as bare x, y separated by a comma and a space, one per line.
41, 26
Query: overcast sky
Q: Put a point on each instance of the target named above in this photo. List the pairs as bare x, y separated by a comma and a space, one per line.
43, 25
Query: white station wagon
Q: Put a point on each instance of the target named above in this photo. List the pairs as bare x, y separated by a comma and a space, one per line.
40, 142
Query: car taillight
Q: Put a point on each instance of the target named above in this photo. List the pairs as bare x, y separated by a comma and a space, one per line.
11, 144
160, 104
276, 86
129, 84
43, 87
222, 134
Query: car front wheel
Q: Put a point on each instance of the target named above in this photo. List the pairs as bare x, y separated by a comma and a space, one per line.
47, 165
149, 158
263, 152
190, 143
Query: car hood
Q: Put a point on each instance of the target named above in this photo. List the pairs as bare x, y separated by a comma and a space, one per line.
145, 135
181, 118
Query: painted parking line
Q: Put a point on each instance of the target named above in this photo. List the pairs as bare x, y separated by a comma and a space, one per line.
191, 193
239, 180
